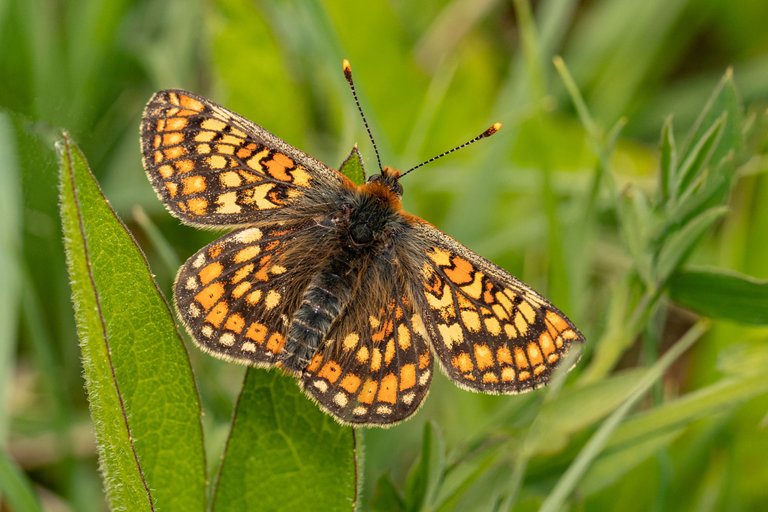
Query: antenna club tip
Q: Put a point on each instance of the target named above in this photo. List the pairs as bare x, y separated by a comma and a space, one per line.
346, 67
493, 129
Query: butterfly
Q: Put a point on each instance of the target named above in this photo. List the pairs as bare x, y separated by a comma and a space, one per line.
333, 282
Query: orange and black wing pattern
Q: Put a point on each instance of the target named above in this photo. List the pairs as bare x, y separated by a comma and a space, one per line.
490, 332
376, 366
237, 294
212, 167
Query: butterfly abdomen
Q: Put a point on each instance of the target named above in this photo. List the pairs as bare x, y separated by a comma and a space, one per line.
324, 298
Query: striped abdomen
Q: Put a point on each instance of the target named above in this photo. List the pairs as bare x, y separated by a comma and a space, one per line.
327, 294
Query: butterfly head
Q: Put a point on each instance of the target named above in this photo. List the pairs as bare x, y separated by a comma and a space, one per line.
389, 178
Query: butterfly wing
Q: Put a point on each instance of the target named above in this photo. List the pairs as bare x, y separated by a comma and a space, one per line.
376, 365
491, 332
236, 295
212, 167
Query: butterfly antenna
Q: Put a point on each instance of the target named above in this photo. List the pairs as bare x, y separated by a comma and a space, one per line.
487, 133
348, 76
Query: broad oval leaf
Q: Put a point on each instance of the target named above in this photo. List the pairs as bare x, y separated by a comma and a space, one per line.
143, 399
284, 453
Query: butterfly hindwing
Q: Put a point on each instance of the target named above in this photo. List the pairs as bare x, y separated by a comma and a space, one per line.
376, 366
491, 332
213, 167
237, 294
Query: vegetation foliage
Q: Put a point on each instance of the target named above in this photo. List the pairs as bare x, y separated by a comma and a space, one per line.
628, 185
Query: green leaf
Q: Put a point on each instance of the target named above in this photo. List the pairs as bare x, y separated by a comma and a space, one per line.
597, 443
645, 433
284, 453
461, 477
10, 261
697, 159
668, 162
712, 190
574, 409
720, 293
15, 489
143, 400
680, 243
353, 168
636, 221
426, 473
385, 497
724, 101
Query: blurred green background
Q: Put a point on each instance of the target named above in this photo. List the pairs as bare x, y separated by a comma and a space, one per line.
430, 75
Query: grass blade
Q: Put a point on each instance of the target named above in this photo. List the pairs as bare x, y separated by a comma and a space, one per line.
15, 489
567, 483
10, 252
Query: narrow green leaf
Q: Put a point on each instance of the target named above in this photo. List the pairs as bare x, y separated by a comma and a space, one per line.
353, 168
668, 162
10, 252
461, 478
576, 408
385, 497
680, 243
427, 471
712, 190
596, 444
284, 453
143, 400
15, 489
643, 435
724, 101
614, 465
697, 159
720, 293
636, 222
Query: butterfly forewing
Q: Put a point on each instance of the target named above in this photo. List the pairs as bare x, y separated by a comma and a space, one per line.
491, 332
212, 167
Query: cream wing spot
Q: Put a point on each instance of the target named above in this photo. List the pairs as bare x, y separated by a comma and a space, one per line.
451, 334
228, 203
350, 341
227, 339
249, 235
340, 399
272, 299
199, 260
